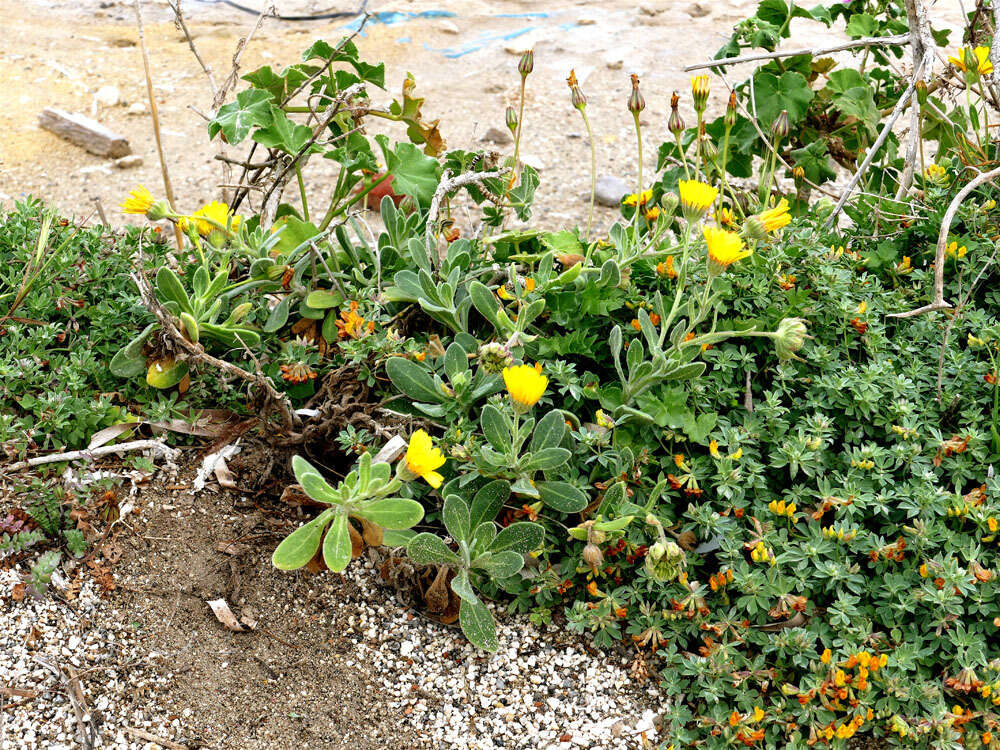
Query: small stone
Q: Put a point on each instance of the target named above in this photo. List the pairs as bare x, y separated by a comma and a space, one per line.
129, 162
586, 21
136, 108
647, 9
448, 27
108, 96
699, 11
609, 190
614, 59
406, 648
499, 136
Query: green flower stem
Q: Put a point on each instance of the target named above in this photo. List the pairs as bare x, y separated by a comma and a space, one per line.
681, 279
335, 211
638, 201
593, 171
302, 191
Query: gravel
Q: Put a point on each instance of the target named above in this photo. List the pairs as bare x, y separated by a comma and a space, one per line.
44, 642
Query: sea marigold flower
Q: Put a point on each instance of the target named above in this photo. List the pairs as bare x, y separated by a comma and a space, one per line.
214, 216
638, 198
724, 217
696, 198
775, 218
139, 201
976, 60
525, 384
724, 249
422, 459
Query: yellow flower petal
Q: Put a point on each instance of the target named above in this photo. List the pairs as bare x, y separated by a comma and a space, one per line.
525, 384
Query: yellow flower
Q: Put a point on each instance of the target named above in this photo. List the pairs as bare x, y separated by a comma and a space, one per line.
862, 307
652, 213
696, 198
758, 713
422, 458
954, 251
936, 173
525, 384
713, 448
775, 218
737, 455
700, 87
139, 201
213, 216
724, 217
991, 523
724, 248
640, 198
980, 58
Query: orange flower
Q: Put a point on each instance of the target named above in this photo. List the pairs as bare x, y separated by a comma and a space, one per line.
666, 268
351, 325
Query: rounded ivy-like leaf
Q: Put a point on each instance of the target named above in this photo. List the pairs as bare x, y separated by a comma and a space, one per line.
337, 544
478, 625
299, 547
394, 513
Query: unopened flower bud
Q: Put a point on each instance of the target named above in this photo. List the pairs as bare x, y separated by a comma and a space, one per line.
708, 147
635, 101
790, 337
780, 127
593, 556
576, 95
675, 124
493, 357
700, 88
799, 174
921, 87
669, 202
730, 118
511, 118
527, 63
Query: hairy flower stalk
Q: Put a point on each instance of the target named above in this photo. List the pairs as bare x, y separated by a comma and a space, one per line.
524, 67
675, 124
700, 89
635, 105
580, 103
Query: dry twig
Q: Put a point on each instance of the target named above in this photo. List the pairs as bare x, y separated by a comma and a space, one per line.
447, 185
874, 41
158, 447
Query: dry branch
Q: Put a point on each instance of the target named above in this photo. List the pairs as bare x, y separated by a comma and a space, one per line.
448, 184
158, 447
198, 353
939, 303
874, 41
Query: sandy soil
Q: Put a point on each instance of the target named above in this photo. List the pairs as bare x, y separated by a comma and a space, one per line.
59, 54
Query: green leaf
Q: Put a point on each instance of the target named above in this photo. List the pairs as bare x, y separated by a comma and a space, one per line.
561, 496
488, 502
313, 482
503, 564
413, 380
495, 427
322, 299
521, 537
549, 432
393, 513
548, 458
337, 544
789, 92
427, 549
278, 315
462, 586
814, 160
455, 361
484, 301
252, 108
300, 546
614, 496
455, 515
478, 626
285, 135
414, 173
129, 361
170, 289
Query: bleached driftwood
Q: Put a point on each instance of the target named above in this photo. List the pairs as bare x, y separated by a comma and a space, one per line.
84, 132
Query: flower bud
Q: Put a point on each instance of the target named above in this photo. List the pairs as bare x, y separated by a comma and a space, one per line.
576, 95
493, 357
665, 561
790, 337
708, 148
799, 174
669, 202
730, 119
511, 118
921, 87
700, 88
593, 556
675, 124
635, 101
780, 128
527, 63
